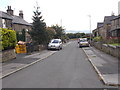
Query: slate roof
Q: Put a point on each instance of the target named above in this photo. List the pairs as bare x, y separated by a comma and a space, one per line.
107, 19
15, 19
99, 24
19, 20
5, 15
116, 17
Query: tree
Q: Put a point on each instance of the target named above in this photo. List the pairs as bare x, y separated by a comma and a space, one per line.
50, 33
76, 35
59, 31
38, 32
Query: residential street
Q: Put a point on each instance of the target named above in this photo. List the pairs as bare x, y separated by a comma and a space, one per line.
67, 68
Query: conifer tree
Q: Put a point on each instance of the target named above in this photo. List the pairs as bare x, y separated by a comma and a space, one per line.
38, 32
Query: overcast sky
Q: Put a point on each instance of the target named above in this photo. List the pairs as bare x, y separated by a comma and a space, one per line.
72, 13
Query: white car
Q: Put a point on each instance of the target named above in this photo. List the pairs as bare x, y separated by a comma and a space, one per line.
83, 42
55, 44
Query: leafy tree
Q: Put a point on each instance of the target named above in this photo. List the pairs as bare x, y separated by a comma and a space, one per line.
50, 33
59, 31
71, 35
38, 32
76, 35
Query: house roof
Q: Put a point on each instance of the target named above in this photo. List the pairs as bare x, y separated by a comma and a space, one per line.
15, 19
19, 20
5, 15
116, 17
107, 19
99, 24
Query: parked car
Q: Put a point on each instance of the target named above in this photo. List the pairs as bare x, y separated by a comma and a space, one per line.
83, 42
55, 44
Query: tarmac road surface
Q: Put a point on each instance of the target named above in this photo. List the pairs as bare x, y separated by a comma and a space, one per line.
67, 68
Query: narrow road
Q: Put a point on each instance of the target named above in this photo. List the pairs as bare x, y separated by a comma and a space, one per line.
68, 68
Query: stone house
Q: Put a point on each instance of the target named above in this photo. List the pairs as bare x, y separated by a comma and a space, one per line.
115, 28
103, 28
107, 26
98, 29
17, 23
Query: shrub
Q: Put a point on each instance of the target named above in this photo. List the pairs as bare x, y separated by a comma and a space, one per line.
7, 39
114, 40
97, 39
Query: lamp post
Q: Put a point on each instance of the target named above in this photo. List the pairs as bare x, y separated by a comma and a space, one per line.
90, 26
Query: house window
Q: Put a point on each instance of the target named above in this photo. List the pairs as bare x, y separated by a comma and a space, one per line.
3, 23
118, 32
117, 22
114, 33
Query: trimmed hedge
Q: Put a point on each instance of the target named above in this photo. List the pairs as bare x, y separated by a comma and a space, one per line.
7, 39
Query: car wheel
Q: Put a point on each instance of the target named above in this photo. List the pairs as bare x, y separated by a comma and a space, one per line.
58, 49
80, 47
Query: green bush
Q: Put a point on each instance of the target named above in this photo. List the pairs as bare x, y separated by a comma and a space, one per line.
114, 40
7, 39
97, 39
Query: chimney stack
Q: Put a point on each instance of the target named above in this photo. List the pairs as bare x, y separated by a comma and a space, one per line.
10, 11
21, 13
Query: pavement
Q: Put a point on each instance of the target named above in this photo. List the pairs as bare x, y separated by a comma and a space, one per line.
22, 61
105, 65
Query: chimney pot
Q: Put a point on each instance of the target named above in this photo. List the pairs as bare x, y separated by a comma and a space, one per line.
9, 10
21, 13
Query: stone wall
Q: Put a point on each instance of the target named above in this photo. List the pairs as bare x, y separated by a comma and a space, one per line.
18, 27
7, 55
39, 47
109, 49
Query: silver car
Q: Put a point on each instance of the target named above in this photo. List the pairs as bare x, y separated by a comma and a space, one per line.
55, 44
83, 42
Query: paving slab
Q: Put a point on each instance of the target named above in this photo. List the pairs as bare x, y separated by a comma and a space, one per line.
105, 65
22, 61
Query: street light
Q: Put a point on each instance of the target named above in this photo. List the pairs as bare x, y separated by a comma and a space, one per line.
90, 26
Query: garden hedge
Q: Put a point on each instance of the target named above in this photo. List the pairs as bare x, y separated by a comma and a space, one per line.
7, 39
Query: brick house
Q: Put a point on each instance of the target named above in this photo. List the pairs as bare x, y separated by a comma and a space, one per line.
17, 23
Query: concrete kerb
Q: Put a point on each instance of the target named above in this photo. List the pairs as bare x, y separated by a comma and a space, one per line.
25, 66
98, 72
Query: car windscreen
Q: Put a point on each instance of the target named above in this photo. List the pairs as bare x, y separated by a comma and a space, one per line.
83, 40
55, 41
